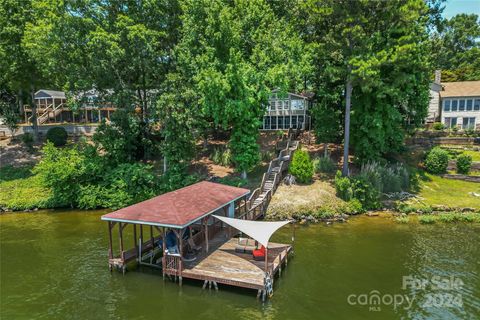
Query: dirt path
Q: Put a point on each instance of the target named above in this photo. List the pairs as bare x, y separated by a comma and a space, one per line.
14, 153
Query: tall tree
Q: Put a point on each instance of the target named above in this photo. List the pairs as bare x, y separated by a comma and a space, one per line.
122, 48
237, 52
379, 49
20, 71
456, 48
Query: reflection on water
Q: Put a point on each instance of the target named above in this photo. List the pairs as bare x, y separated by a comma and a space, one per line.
54, 266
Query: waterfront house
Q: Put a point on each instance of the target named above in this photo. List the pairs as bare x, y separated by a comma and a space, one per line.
287, 110
52, 108
455, 104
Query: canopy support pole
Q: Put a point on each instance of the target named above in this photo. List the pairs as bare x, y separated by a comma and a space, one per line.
266, 261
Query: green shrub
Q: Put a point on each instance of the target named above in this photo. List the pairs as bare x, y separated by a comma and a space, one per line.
386, 178
301, 166
27, 139
175, 178
325, 165
448, 217
464, 163
343, 187
268, 156
405, 219
92, 197
233, 181
62, 170
126, 184
437, 161
222, 156
58, 136
355, 207
438, 126
367, 194
427, 219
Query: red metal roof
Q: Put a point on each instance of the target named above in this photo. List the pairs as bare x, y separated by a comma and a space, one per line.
180, 207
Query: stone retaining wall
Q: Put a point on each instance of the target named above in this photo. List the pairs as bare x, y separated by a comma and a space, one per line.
462, 177
72, 129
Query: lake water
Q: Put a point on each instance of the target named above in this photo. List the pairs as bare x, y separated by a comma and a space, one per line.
54, 266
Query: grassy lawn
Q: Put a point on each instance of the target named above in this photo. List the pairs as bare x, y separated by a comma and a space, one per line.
21, 190
436, 190
474, 154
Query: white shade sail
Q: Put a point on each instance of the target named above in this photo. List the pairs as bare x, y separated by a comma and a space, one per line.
258, 230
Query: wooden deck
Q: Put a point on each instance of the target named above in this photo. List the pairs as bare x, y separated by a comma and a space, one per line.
223, 265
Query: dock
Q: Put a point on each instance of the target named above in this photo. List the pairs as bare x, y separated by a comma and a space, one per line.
226, 266
194, 232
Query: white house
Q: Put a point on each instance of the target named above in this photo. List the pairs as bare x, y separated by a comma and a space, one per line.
460, 103
286, 111
455, 104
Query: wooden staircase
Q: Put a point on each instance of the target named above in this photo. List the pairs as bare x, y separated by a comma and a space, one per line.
260, 198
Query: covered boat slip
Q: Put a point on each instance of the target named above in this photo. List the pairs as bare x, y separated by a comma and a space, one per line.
188, 233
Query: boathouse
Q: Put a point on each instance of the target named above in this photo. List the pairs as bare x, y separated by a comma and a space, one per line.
193, 233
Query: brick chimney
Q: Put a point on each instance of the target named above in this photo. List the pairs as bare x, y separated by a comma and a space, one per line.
438, 76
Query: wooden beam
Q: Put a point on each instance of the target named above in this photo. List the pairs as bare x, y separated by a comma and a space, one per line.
110, 247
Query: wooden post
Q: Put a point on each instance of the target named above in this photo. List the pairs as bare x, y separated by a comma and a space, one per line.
164, 248
110, 247
151, 236
180, 262
135, 243
120, 234
141, 233
206, 234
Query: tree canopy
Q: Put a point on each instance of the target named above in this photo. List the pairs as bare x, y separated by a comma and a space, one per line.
195, 66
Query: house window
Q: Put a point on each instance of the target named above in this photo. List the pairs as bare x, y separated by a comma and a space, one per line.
272, 105
286, 105
294, 121
450, 122
298, 104
476, 105
446, 105
287, 122
273, 123
469, 105
280, 122
266, 123
279, 104
454, 105
469, 123
461, 106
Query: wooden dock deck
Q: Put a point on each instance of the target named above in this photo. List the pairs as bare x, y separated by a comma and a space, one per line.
223, 265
